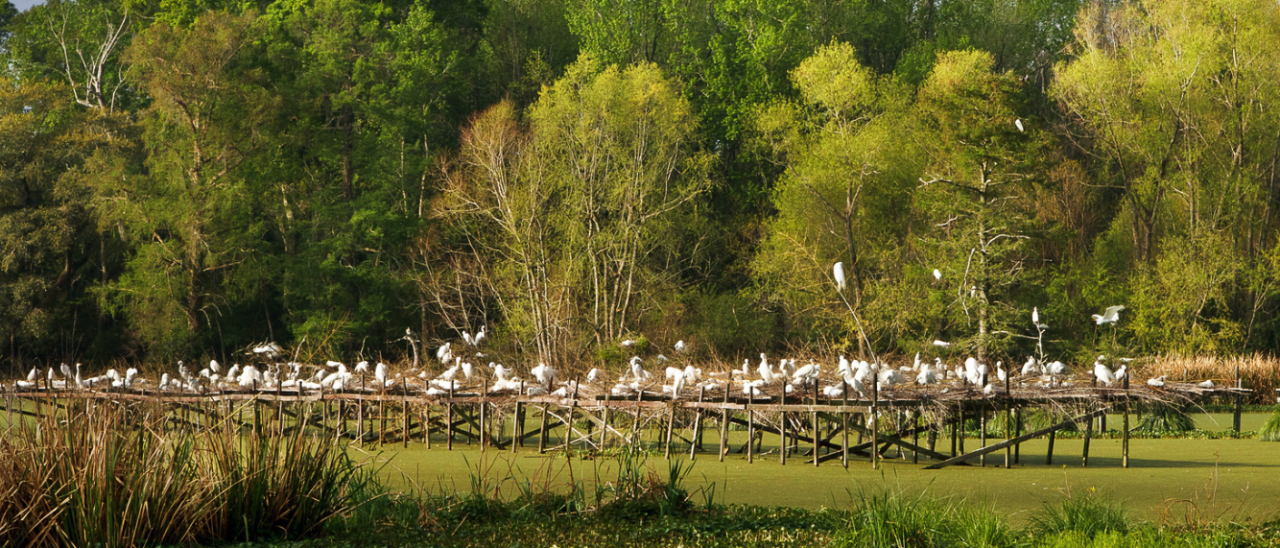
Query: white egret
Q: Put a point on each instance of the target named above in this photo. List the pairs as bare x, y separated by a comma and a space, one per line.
479, 337
1000, 373
1103, 373
380, 373
214, 367
1206, 384
1035, 319
1157, 382
444, 354
1031, 368
941, 343
680, 347
1110, 315
628, 343
1018, 122
593, 375
937, 274
544, 373
838, 271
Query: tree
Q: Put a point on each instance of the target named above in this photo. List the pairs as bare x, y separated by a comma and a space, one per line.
188, 211
1170, 101
976, 194
576, 216
847, 176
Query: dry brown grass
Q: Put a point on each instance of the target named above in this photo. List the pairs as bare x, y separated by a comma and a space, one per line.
1258, 372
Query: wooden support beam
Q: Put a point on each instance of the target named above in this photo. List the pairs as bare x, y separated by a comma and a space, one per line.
965, 457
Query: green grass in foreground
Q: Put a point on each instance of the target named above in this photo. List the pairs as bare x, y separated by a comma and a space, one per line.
878, 520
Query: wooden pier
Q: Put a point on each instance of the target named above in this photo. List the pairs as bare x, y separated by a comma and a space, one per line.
807, 426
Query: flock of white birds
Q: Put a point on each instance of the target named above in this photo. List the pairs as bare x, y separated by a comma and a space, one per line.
783, 376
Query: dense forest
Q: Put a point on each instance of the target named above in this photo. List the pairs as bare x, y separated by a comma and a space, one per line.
184, 178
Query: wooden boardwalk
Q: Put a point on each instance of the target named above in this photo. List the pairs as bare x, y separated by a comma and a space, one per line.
701, 421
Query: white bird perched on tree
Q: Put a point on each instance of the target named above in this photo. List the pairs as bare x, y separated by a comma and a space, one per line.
1035, 319
926, 376
1157, 382
380, 373
628, 343
339, 365
988, 390
1056, 368
838, 272
1206, 384
444, 354
467, 370
1018, 122
1000, 373
544, 373
1120, 373
479, 337
1031, 368
1102, 372
1110, 315
680, 347
807, 372
362, 367
941, 343
593, 375
214, 367
832, 391
890, 377
937, 274
31, 377
673, 372
637, 369
765, 370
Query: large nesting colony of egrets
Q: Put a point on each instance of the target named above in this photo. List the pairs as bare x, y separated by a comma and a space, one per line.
766, 381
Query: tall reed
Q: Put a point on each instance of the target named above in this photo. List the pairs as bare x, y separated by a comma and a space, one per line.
1258, 372
114, 475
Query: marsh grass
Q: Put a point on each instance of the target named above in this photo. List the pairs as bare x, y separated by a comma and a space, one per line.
114, 476
1087, 515
1271, 430
1259, 372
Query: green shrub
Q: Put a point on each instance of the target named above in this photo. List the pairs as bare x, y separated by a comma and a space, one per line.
1088, 515
1271, 430
1161, 418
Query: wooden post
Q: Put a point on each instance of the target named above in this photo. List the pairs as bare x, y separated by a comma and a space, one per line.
844, 424
982, 433
1008, 422
516, 431
1017, 431
875, 421
382, 415
448, 419
1124, 434
360, 418
1235, 420
813, 415
573, 405
724, 423
751, 429
1088, 432
484, 389
697, 425
542, 432
635, 426
1048, 457
426, 423
782, 430
604, 419
671, 423
915, 434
